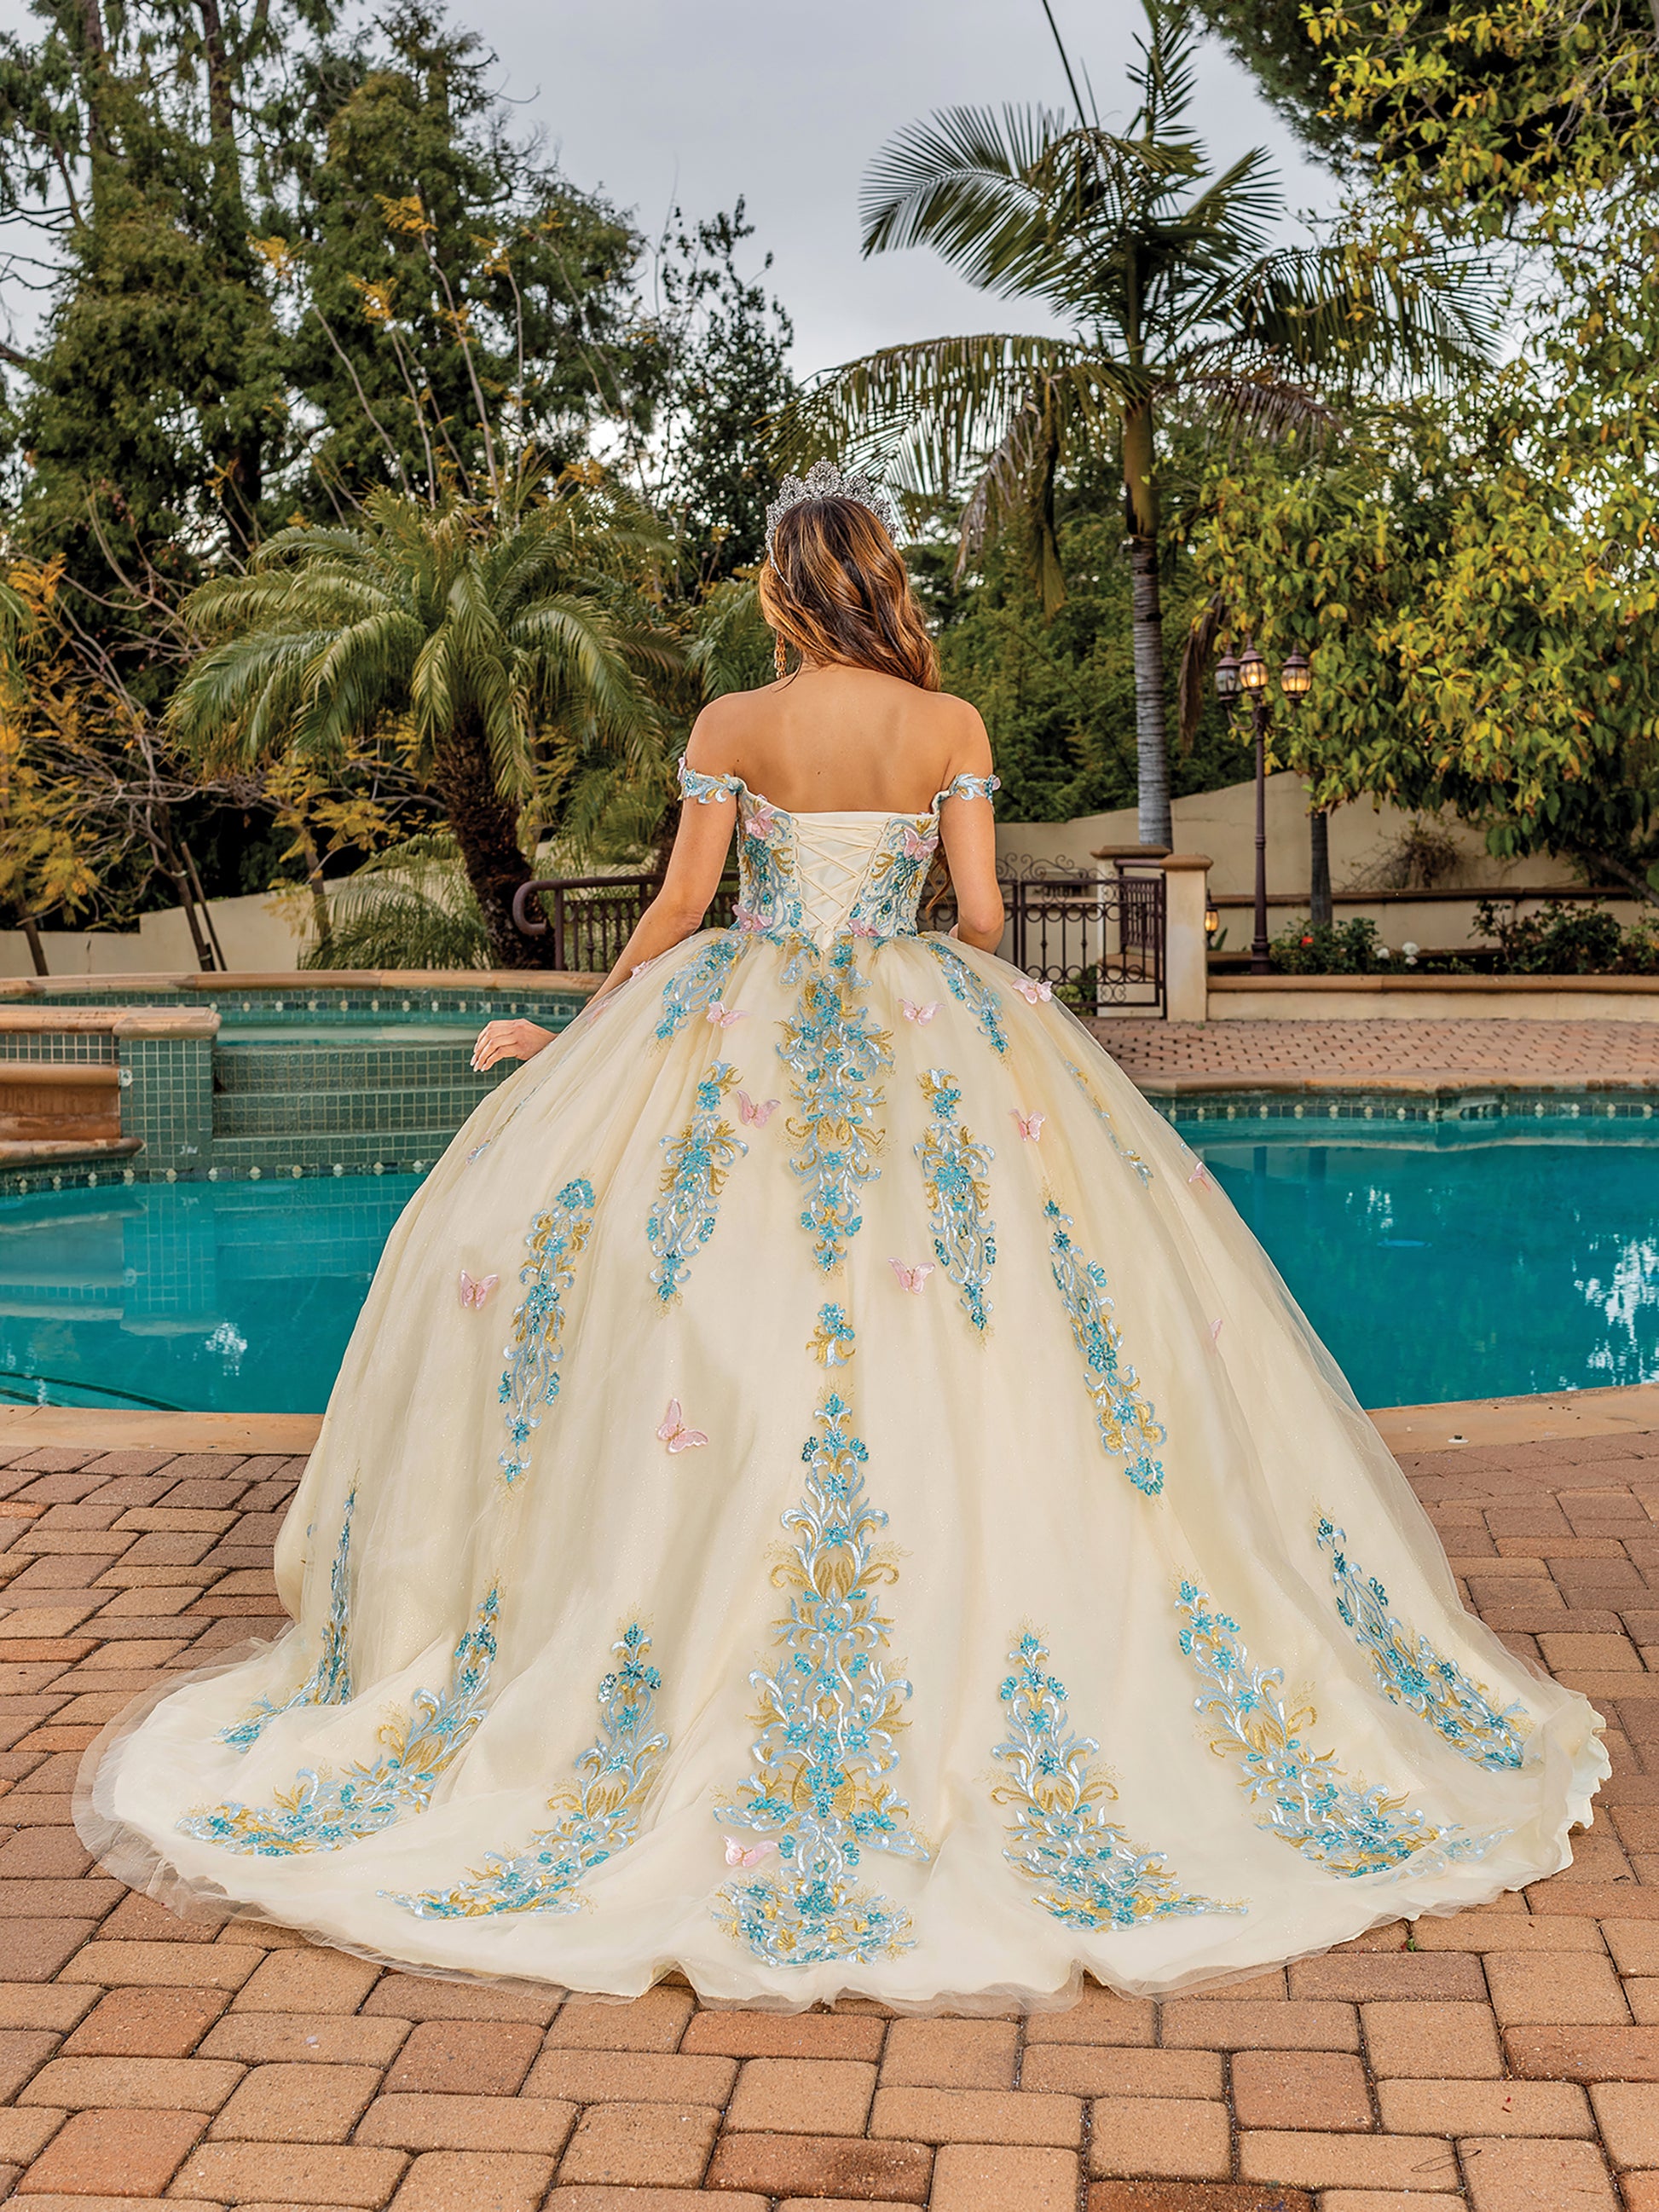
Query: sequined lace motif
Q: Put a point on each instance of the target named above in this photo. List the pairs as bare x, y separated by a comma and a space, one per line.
970, 989
833, 1055
828, 1717
1129, 1426
886, 904
694, 989
968, 786
531, 1379
708, 790
329, 1682
322, 1812
1303, 1796
1105, 1116
598, 1814
768, 896
1085, 1870
694, 1175
1412, 1673
954, 1171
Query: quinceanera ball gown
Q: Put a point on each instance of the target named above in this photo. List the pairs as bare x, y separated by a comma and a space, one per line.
826, 1495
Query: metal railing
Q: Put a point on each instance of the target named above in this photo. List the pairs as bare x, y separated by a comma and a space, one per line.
591, 917
1098, 938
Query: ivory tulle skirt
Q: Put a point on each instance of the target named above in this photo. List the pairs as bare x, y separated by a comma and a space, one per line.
826, 1495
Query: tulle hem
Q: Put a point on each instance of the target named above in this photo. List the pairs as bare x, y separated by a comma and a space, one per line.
125, 1851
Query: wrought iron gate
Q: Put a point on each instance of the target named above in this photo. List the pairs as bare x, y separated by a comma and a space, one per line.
1098, 939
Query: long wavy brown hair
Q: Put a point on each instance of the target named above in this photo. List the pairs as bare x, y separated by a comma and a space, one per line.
835, 588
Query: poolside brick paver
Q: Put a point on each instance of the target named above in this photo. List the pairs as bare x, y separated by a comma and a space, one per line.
1504, 2060
1383, 1055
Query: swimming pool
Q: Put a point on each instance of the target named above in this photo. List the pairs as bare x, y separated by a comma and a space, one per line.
1437, 1261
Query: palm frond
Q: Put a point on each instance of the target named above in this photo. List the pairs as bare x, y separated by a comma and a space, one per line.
1337, 311
411, 907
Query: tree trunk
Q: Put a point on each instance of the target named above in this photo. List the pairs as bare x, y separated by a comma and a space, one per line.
1151, 741
485, 830
1320, 908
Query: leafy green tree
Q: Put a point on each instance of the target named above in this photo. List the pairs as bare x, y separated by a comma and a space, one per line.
494, 632
451, 298
729, 344
1497, 104
1477, 587
1180, 308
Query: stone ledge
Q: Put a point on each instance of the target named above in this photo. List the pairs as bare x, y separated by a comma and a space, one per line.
53, 1151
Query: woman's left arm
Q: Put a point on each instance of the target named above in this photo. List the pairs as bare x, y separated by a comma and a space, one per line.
692, 878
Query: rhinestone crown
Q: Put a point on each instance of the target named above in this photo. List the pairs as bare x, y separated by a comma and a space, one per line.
823, 480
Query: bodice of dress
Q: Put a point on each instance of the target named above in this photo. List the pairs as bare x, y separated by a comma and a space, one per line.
825, 876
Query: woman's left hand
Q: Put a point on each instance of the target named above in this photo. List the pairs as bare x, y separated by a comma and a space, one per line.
508, 1041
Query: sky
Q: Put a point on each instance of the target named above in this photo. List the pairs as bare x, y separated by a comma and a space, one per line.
697, 101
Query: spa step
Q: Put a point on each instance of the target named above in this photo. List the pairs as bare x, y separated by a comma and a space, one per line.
273, 1116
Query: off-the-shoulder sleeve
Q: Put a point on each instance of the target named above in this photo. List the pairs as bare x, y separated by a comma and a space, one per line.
707, 789
969, 786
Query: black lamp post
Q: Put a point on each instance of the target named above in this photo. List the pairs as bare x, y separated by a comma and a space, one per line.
1246, 677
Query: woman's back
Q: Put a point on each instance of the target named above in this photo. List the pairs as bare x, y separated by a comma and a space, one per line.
841, 740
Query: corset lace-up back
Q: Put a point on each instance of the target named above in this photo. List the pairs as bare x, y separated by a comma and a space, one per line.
827, 875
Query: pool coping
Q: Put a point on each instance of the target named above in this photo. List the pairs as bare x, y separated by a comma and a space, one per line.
1620, 1410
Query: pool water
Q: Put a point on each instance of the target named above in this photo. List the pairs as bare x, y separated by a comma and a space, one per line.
1441, 1262
219, 1297
1453, 1262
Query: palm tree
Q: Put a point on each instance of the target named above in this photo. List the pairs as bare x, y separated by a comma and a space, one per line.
1177, 304
486, 629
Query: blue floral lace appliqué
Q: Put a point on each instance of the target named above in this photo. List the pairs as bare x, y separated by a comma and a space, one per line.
1303, 1796
325, 1812
954, 1167
834, 1056
598, 1814
695, 1170
694, 989
531, 1379
1129, 1429
829, 1718
1085, 1870
329, 1682
1412, 1672
1103, 1115
969, 988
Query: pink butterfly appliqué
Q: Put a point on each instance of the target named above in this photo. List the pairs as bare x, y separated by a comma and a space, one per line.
915, 846
920, 1015
1200, 1174
1030, 1125
674, 1432
755, 1115
475, 1289
723, 1016
1035, 994
737, 1856
912, 1278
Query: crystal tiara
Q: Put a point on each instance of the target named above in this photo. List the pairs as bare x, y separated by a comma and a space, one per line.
823, 480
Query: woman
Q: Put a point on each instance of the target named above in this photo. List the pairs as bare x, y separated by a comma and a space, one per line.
824, 1494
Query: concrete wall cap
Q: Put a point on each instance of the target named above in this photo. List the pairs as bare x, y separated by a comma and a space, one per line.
58, 1021
1603, 986
1173, 863
166, 1022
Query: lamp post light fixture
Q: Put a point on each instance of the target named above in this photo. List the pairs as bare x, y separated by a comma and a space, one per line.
1247, 679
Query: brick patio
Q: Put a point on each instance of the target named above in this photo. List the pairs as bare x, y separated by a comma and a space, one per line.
1386, 1055
1507, 2060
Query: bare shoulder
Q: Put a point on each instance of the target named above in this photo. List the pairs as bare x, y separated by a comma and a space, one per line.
963, 728
718, 734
